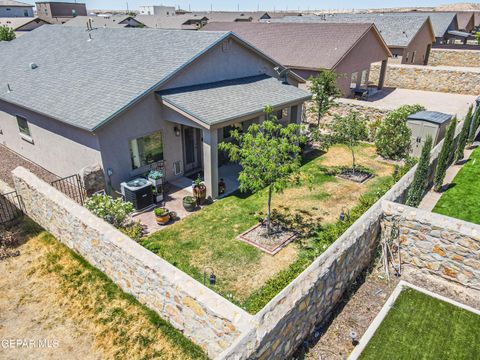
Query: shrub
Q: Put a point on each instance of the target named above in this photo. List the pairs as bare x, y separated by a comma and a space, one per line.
393, 136
463, 137
420, 180
445, 156
133, 230
113, 211
6, 33
474, 127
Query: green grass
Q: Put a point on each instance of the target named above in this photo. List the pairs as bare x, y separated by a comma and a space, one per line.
421, 327
462, 200
246, 275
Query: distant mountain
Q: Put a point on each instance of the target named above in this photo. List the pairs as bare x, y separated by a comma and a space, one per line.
459, 7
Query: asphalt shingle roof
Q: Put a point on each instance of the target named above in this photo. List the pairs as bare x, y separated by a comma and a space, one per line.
98, 21
396, 30
308, 46
246, 96
14, 3
441, 22
86, 82
170, 22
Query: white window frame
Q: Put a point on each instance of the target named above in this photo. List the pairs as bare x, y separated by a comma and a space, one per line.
27, 136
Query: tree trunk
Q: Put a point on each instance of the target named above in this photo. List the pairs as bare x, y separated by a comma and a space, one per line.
268, 209
353, 160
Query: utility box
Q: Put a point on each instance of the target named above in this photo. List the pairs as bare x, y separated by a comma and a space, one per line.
426, 123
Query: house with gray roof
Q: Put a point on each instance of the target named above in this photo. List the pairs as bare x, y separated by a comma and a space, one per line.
118, 21
308, 48
13, 8
128, 98
409, 38
22, 24
187, 21
442, 23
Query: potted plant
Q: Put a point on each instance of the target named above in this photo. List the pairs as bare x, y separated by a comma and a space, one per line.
155, 177
157, 195
189, 203
162, 216
199, 191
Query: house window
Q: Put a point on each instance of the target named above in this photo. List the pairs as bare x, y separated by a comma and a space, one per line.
24, 129
229, 128
46, 11
146, 150
25, 13
282, 114
353, 80
364, 80
407, 57
413, 56
74, 12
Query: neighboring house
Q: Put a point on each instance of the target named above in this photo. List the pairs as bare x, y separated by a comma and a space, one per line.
60, 12
126, 98
12, 8
21, 25
310, 48
118, 21
466, 21
442, 23
234, 16
181, 22
157, 10
408, 37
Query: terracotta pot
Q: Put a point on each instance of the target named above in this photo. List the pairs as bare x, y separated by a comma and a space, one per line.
200, 193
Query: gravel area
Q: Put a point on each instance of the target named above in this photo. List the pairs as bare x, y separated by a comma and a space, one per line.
11, 160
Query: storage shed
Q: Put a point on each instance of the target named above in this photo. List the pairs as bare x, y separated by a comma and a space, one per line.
426, 123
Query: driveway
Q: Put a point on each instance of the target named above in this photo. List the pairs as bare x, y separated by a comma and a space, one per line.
389, 99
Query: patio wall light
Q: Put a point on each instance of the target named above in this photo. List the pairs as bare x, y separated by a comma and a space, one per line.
212, 278
176, 130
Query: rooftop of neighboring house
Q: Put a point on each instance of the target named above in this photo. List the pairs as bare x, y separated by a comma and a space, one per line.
17, 22
464, 17
233, 16
297, 45
397, 31
119, 21
13, 3
185, 22
441, 21
59, 2
110, 68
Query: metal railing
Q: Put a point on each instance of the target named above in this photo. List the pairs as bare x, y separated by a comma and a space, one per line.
72, 186
10, 207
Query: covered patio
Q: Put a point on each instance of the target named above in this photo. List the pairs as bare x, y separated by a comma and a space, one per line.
205, 114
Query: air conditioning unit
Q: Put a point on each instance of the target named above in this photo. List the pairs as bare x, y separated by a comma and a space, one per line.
138, 192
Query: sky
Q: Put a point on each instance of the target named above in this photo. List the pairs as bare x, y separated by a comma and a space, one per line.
262, 5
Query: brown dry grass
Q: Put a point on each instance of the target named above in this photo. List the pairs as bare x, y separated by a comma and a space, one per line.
69, 300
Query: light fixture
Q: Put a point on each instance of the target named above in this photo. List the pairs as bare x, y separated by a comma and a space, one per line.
342, 216
353, 335
212, 279
176, 130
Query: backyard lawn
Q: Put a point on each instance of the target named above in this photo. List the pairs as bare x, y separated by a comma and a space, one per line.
421, 327
208, 237
462, 200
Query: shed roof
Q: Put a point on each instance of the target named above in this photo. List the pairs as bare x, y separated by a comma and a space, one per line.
434, 117
14, 3
307, 46
397, 31
245, 97
86, 82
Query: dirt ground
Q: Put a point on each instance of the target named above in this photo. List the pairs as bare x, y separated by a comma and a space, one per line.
11, 160
361, 304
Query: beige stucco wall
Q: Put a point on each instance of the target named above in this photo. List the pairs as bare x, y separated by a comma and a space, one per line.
60, 148
420, 45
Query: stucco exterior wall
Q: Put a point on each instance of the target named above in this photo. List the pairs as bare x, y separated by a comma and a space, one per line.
431, 78
421, 45
16, 11
60, 148
444, 57
367, 51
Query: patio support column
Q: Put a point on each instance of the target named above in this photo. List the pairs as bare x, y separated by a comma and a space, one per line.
210, 162
383, 72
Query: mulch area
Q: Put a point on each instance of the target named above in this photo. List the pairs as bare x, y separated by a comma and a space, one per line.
270, 243
11, 160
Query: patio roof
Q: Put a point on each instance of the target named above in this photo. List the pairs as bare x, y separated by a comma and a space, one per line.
223, 101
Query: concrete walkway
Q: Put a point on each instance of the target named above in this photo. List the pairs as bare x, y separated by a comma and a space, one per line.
432, 197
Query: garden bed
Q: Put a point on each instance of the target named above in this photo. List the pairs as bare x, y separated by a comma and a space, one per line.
358, 176
247, 275
270, 243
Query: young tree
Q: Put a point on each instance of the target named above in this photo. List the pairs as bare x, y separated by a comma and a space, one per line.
445, 156
420, 179
463, 137
474, 126
269, 154
393, 136
324, 90
6, 33
349, 130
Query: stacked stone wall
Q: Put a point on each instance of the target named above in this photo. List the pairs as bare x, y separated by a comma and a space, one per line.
204, 316
430, 78
443, 57
437, 244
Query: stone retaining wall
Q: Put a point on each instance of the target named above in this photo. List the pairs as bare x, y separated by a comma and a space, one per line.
430, 78
204, 316
443, 57
436, 244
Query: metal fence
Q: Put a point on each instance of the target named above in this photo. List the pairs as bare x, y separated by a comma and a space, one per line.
10, 207
72, 186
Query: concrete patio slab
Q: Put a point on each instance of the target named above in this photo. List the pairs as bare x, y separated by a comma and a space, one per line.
390, 98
